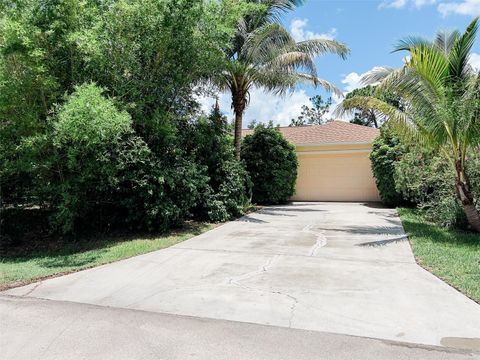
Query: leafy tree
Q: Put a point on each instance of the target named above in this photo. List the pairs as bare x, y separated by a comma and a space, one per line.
92, 143
39, 61
368, 117
263, 54
441, 92
253, 124
149, 58
313, 115
152, 55
272, 164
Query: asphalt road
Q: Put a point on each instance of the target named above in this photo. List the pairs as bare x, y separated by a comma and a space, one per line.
33, 329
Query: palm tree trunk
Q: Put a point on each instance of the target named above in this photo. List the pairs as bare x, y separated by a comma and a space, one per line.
238, 133
239, 102
465, 196
373, 118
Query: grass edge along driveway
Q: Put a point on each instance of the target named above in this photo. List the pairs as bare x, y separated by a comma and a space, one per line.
451, 255
75, 256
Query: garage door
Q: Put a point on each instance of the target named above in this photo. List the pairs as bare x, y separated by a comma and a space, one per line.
335, 177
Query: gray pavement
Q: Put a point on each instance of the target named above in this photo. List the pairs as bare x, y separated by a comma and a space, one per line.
331, 267
34, 329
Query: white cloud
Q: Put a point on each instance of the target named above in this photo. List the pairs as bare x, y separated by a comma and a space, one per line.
353, 80
420, 3
401, 4
465, 7
297, 29
263, 106
475, 61
396, 4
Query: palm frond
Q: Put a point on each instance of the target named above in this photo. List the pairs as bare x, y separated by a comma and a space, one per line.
315, 47
280, 82
275, 8
459, 55
444, 40
326, 85
291, 61
399, 120
410, 42
470, 104
266, 42
376, 75
431, 65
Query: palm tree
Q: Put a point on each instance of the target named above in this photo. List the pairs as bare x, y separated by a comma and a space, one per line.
440, 94
265, 55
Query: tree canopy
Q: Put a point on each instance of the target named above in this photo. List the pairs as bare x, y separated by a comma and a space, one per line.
264, 54
314, 115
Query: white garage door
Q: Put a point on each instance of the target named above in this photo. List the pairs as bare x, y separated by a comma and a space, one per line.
335, 177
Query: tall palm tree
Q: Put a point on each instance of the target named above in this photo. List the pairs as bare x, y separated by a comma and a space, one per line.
265, 55
441, 102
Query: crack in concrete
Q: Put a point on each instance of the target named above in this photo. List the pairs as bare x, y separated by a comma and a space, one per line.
33, 288
262, 269
293, 307
236, 281
320, 242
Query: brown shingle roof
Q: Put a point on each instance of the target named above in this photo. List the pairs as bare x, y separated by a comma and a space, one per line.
330, 133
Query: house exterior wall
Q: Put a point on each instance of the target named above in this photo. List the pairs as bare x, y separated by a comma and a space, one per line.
335, 172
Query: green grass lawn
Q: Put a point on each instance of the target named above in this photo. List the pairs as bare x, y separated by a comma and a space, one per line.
73, 256
452, 255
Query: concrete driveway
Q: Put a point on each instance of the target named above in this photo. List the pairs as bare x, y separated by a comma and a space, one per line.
334, 267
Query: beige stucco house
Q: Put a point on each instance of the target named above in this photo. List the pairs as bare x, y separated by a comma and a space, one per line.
333, 162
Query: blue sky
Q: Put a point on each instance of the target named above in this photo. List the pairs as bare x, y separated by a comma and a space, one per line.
370, 29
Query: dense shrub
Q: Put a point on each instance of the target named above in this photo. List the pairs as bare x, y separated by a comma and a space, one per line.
412, 176
91, 144
232, 196
93, 171
272, 164
229, 188
157, 196
386, 151
427, 180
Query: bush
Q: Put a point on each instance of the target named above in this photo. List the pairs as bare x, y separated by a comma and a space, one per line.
473, 171
412, 176
386, 151
94, 172
428, 180
408, 174
158, 196
229, 186
232, 196
92, 145
272, 164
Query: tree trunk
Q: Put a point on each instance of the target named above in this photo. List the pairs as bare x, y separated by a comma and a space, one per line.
465, 196
373, 119
239, 102
238, 133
